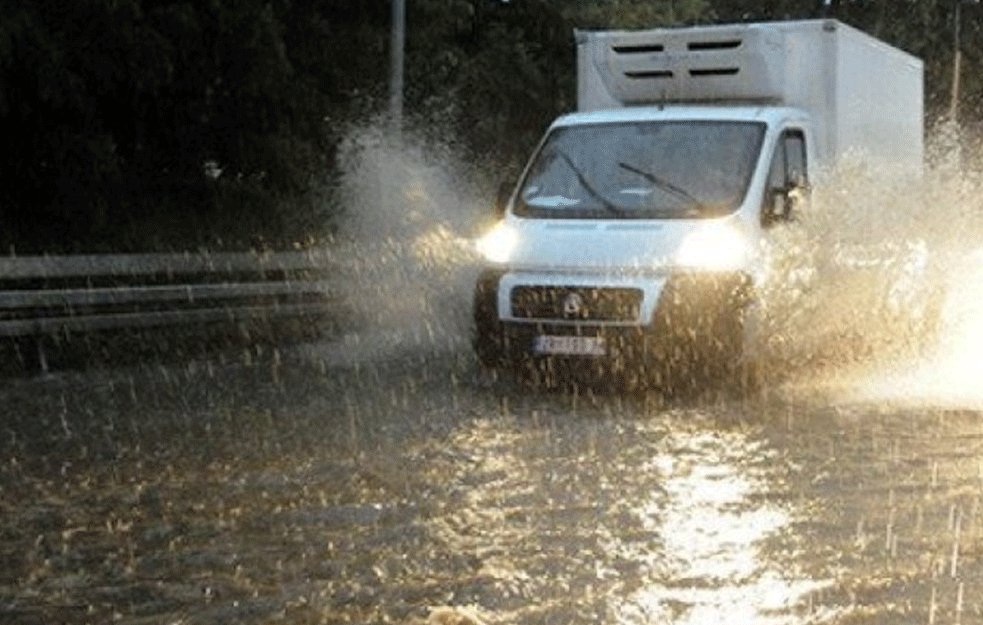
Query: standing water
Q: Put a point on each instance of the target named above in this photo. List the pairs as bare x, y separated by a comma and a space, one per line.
365, 479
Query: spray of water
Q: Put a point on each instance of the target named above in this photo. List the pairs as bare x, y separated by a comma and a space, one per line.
876, 292
404, 246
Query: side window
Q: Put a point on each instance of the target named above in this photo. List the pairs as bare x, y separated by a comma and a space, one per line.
788, 179
776, 175
795, 159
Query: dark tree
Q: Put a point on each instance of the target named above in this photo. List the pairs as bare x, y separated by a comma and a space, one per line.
167, 124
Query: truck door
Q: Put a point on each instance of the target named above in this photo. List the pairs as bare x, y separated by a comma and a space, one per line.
788, 179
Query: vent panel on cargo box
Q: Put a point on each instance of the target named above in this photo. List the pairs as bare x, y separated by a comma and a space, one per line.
664, 66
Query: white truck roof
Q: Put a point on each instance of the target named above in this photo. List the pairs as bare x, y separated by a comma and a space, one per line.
860, 92
675, 112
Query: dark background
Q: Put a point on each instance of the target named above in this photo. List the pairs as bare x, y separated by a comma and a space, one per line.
113, 112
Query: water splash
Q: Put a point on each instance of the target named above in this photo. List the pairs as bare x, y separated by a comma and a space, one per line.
862, 288
405, 242
948, 375
877, 289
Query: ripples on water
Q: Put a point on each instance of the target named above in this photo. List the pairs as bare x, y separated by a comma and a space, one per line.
715, 516
615, 515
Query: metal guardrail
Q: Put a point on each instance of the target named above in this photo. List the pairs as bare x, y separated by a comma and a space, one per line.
42, 295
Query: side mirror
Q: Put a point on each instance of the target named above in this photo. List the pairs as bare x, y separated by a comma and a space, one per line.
782, 204
797, 180
777, 207
502, 198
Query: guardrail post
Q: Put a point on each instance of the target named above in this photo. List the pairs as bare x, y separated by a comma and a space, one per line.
42, 356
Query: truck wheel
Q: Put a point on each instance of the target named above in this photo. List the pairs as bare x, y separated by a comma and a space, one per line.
745, 375
488, 348
723, 354
488, 338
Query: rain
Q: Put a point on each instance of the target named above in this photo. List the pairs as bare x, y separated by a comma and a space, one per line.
369, 476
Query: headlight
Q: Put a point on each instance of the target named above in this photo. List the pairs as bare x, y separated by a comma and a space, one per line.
715, 247
498, 243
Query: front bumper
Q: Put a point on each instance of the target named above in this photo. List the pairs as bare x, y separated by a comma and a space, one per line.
637, 317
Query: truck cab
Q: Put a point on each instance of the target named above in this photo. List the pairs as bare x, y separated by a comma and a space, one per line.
635, 236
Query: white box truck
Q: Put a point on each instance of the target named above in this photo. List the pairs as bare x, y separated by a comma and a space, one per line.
634, 237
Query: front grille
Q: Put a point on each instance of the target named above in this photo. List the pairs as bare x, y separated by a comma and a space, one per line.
575, 303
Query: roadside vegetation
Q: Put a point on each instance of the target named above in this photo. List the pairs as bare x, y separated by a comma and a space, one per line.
161, 125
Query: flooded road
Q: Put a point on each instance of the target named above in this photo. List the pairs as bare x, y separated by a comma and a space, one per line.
368, 478
351, 481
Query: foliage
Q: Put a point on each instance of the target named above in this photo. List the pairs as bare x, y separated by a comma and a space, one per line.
113, 108
493, 76
633, 14
166, 124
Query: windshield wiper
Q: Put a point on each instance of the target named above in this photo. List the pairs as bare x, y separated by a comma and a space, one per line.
662, 183
607, 204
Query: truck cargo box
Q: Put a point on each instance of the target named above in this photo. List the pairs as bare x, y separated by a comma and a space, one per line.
862, 94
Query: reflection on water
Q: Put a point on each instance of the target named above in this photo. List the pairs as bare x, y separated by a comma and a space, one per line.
715, 515
587, 517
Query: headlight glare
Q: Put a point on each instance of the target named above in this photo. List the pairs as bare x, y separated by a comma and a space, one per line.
716, 247
498, 243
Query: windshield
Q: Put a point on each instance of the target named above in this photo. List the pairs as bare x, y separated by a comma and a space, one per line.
642, 170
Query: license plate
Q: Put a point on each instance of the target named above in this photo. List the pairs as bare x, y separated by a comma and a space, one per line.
570, 345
